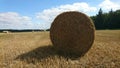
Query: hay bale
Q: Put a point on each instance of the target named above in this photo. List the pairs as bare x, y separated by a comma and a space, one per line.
72, 32
6, 32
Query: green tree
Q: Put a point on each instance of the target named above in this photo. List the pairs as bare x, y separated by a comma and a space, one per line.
116, 19
100, 19
110, 20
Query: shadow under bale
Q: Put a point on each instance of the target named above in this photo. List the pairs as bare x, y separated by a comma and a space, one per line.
44, 52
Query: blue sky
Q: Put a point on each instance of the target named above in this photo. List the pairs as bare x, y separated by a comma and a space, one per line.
29, 7
39, 14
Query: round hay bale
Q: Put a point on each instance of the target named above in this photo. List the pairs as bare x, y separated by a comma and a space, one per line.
72, 32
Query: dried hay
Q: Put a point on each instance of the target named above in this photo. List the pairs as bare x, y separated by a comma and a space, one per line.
6, 32
72, 32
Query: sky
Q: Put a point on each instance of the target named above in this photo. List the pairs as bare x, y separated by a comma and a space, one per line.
39, 14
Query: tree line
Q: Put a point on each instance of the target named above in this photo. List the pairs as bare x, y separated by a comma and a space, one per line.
22, 30
110, 20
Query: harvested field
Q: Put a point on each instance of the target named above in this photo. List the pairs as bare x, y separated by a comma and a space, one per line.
34, 50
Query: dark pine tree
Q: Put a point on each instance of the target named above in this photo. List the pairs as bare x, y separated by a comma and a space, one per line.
110, 19
100, 20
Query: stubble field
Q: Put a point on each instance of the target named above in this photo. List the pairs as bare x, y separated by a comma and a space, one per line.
35, 50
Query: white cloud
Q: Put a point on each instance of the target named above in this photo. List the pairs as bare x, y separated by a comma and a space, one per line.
107, 5
12, 20
48, 15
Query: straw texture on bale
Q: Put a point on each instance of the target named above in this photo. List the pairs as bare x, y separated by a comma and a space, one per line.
72, 32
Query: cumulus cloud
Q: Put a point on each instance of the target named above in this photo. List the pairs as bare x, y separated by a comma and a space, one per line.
48, 15
12, 20
107, 5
